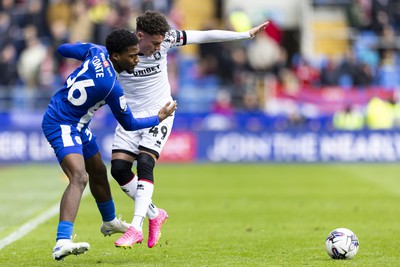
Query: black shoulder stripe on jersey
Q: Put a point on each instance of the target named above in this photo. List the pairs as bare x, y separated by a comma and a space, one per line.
184, 37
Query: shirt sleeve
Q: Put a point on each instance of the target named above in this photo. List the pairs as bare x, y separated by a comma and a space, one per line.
77, 50
213, 36
121, 111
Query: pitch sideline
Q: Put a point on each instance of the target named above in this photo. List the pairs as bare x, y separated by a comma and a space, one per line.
31, 225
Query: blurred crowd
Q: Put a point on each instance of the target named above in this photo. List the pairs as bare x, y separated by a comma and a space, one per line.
246, 74
31, 31
371, 61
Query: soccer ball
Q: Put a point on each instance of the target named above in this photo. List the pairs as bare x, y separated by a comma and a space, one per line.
341, 243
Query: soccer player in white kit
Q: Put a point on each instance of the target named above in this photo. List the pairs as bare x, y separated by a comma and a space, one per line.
147, 89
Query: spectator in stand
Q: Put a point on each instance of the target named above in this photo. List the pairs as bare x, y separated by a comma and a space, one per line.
34, 16
5, 29
59, 10
388, 40
349, 119
307, 75
380, 114
8, 66
223, 103
8, 77
358, 14
31, 58
396, 108
213, 58
28, 65
348, 68
274, 31
329, 73
381, 14
388, 71
251, 102
107, 16
364, 77
81, 27
221, 117
251, 111
263, 53
239, 21
59, 35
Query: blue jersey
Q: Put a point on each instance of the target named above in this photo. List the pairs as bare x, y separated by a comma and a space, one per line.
89, 87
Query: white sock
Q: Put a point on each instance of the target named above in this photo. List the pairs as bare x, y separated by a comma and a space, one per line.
143, 197
137, 222
152, 211
131, 187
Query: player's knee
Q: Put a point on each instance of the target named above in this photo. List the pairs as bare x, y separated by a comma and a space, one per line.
145, 166
121, 170
79, 179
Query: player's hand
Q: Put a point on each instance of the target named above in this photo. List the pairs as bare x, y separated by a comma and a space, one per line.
167, 110
256, 30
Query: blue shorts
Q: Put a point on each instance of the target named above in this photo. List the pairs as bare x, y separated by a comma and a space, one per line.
66, 139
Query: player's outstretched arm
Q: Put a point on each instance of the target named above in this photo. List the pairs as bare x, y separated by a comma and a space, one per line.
167, 110
212, 36
256, 30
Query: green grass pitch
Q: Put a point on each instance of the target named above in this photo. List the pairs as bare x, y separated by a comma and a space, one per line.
220, 215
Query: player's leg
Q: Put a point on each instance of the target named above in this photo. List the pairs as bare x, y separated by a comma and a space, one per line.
100, 187
144, 192
145, 187
146, 161
121, 171
67, 145
74, 167
150, 145
125, 150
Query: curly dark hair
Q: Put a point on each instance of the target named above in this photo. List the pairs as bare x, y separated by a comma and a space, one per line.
120, 39
153, 23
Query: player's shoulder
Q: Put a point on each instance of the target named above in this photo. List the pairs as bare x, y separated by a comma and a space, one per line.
101, 66
97, 51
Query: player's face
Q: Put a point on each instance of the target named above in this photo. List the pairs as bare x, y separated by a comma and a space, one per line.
149, 44
127, 60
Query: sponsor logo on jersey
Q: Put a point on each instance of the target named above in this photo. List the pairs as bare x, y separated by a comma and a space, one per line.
147, 71
106, 64
157, 55
122, 103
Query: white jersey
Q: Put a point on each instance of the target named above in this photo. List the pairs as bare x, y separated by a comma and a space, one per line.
148, 88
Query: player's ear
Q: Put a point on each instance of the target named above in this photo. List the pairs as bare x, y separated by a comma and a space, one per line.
139, 34
115, 56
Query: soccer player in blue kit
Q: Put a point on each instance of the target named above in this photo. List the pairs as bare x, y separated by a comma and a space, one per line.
66, 127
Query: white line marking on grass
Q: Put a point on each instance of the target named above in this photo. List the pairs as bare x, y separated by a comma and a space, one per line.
29, 226
32, 224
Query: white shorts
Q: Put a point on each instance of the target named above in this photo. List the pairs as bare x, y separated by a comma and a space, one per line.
150, 139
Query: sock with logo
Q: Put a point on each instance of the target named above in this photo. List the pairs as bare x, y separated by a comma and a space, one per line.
143, 197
